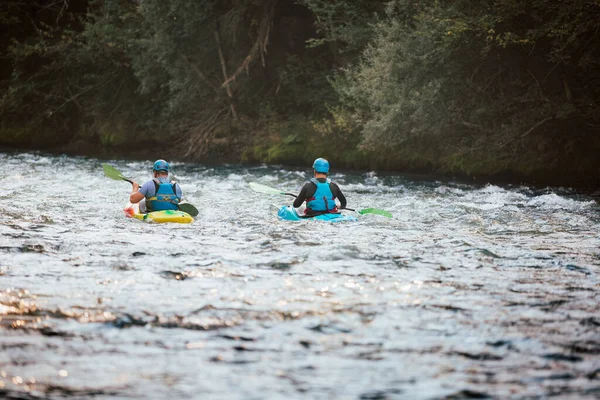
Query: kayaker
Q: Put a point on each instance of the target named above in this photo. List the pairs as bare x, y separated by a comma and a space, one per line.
320, 193
159, 193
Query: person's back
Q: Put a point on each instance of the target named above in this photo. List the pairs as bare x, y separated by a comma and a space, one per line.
158, 193
320, 193
161, 194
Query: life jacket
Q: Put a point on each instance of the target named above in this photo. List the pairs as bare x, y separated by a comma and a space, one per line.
165, 197
323, 199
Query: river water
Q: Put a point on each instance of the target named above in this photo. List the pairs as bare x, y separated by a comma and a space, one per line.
468, 292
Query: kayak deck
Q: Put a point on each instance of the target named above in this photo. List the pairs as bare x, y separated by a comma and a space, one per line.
288, 213
158, 217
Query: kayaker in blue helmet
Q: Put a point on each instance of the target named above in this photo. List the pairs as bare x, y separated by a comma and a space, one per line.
159, 193
320, 193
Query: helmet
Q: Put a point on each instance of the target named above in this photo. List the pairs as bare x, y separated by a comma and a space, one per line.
161, 165
321, 165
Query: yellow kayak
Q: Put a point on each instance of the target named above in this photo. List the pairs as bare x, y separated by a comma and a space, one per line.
158, 217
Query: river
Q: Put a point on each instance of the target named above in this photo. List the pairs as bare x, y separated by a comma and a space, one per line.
468, 292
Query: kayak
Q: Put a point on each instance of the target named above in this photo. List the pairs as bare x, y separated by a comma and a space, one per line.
288, 213
158, 217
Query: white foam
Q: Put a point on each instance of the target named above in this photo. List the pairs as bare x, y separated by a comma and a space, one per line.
555, 202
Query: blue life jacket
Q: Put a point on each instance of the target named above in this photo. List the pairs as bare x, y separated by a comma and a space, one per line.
165, 197
323, 199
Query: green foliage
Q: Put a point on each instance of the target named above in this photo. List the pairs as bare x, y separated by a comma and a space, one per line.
396, 84
477, 83
346, 25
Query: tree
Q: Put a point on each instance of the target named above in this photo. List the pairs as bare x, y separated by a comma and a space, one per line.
455, 81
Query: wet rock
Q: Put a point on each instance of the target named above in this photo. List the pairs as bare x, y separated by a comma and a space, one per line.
26, 248
239, 338
205, 323
9, 394
594, 374
18, 235
51, 332
285, 264
329, 329
467, 394
380, 394
499, 343
401, 263
554, 377
546, 306
590, 322
281, 266
178, 276
138, 254
245, 361
587, 347
575, 268
578, 289
244, 348
127, 321
8, 346
449, 307
488, 253
65, 391
478, 356
374, 355
563, 357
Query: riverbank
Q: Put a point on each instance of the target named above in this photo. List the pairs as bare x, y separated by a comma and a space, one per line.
466, 170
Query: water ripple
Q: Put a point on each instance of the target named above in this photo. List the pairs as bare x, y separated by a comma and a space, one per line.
469, 292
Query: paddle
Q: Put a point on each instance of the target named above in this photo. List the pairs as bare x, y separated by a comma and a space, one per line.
188, 208
114, 173
257, 187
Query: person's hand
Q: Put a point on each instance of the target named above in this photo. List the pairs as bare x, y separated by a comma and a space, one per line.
135, 187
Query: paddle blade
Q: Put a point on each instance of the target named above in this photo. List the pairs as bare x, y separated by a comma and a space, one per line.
188, 208
376, 211
112, 172
257, 187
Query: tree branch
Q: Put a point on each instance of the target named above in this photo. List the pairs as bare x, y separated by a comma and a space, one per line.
224, 69
260, 45
201, 75
537, 126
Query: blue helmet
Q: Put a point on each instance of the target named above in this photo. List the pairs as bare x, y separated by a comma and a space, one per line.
161, 165
321, 165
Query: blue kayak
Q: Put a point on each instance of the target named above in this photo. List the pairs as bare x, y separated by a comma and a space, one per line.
288, 213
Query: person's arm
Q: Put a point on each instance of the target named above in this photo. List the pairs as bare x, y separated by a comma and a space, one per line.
136, 196
337, 192
139, 193
300, 198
